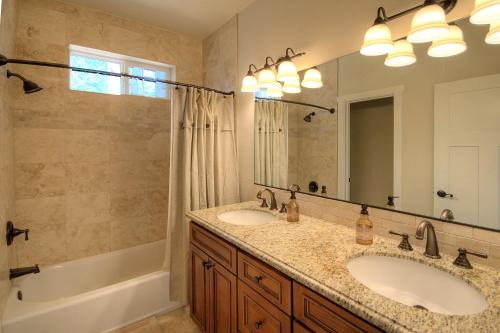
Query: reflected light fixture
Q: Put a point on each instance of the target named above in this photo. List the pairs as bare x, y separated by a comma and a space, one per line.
378, 38
428, 24
493, 36
250, 83
402, 55
485, 12
292, 86
312, 78
266, 75
275, 90
449, 45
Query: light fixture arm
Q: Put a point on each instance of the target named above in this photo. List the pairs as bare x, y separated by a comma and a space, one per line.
382, 17
250, 73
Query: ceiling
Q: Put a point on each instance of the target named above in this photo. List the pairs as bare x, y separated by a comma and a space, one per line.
197, 18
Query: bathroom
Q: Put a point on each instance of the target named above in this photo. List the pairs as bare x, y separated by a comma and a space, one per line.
151, 180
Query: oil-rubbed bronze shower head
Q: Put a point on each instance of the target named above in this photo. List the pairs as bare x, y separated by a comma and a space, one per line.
29, 87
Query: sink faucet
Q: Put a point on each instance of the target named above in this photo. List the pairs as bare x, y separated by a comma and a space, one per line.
274, 205
431, 247
18, 272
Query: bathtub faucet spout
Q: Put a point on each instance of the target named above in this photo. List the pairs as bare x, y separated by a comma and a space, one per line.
17, 272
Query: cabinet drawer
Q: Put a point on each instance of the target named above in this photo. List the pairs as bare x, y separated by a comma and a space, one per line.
274, 286
218, 249
323, 316
297, 328
257, 315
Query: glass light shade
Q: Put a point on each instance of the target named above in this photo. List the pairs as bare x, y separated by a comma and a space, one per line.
485, 12
292, 86
312, 79
250, 84
266, 78
378, 41
287, 71
428, 24
449, 45
274, 90
402, 55
493, 37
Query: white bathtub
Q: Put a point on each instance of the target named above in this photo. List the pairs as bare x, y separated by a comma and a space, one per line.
91, 295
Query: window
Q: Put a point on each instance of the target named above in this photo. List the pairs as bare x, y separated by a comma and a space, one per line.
116, 63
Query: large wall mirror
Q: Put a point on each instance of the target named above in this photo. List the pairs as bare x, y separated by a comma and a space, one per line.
422, 139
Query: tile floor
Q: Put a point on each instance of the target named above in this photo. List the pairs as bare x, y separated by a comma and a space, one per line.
177, 321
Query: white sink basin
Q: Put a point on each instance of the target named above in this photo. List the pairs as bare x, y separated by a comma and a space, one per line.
247, 217
418, 285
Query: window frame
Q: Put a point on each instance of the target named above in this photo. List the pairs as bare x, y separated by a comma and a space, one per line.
125, 62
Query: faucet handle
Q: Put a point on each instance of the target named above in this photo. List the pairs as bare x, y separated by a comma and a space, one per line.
283, 208
405, 243
462, 261
264, 203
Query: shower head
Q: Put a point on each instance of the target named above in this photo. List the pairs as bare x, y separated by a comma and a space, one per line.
308, 118
29, 87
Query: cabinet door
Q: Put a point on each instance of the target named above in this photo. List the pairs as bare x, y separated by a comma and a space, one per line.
222, 314
199, 288
297, 328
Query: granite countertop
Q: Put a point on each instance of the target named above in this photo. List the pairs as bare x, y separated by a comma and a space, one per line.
314, 252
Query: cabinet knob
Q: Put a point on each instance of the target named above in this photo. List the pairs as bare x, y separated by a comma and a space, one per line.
259, 324
207, 264
257, 279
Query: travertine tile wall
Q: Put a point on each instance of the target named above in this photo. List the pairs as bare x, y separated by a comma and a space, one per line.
450, 236
91, 169
7, 40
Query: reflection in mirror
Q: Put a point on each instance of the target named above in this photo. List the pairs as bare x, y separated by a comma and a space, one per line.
423, 139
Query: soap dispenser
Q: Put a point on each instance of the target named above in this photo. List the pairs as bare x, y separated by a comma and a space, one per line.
364, 228
293, 207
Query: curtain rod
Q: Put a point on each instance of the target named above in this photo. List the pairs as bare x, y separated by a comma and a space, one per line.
5, 61
332, 110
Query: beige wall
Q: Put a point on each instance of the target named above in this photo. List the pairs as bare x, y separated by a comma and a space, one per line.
91, 169
359, 74
7, 41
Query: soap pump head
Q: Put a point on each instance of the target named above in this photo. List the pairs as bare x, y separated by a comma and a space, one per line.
364, 209
294, 189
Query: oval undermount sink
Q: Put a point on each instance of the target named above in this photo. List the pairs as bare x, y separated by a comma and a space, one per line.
418, 285
247, 217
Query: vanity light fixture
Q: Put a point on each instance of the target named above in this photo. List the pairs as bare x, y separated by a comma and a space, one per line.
250, 83
312, 78
292, 86
275, 90
266, 76
286, 68
428, 24
449, 45
493, 36
485, 12
378, 38
402, 55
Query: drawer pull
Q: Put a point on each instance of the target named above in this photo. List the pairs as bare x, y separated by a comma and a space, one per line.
259, 324
257, 279
207, 264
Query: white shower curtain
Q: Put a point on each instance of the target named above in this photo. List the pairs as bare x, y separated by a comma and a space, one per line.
271, 143
203, 170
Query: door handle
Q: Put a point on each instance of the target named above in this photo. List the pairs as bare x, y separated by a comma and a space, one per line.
390, 200
443, 194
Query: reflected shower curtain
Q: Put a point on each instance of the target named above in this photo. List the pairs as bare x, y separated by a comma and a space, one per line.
203, 170
271, 143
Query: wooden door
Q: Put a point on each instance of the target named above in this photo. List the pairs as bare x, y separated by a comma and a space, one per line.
199, 290
467, 150
222, 313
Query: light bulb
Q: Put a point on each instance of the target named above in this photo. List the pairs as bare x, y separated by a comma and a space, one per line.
250, 84
312, 79
402, 55
485, 12
428, 24
377, 41
287, 71
448, 45
275, 90
493, 37
292, 86
266, 78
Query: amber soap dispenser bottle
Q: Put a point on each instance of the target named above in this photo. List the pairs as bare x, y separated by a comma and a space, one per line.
293, 207
364, 228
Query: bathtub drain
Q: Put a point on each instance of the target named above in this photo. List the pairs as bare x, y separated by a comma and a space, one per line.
20, 295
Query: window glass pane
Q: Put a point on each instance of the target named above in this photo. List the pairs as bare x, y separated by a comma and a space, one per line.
95, 82
147, 88
135, 85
